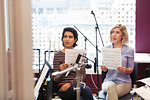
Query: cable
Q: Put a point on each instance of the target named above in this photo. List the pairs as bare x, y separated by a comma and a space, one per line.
93, 82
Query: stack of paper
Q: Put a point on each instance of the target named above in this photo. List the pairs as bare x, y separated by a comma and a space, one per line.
144, 91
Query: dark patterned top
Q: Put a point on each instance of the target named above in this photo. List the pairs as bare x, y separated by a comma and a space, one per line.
59, 58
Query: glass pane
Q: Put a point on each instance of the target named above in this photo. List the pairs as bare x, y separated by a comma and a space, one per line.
49, 17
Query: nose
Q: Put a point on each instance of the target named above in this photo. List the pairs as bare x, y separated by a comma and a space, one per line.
67, 38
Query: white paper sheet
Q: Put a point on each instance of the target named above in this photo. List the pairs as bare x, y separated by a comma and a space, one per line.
72, 54
111, 57
145, 81
143, 91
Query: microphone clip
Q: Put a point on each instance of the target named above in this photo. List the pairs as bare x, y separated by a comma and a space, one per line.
92, 12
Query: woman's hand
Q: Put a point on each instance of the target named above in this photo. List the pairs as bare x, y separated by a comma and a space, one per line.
65, 87
125, 70
63, 66
122, 69
104, 68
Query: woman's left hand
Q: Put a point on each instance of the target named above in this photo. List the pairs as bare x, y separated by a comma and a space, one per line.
122, 69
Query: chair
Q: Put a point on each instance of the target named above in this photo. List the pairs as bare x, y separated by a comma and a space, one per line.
128, 96
54, 89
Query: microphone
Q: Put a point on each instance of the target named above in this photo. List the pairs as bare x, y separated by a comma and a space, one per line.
92, 12
78, 58
88, 66
77, 62
95, 63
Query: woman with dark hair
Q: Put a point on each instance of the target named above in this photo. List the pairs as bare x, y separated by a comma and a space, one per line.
65, 84
75, 34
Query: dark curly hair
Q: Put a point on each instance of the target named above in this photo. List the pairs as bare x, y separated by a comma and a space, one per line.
73, 31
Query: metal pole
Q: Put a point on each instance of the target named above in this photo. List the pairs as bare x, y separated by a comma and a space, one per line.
78, 83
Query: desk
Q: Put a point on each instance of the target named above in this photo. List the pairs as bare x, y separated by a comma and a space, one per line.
142, 58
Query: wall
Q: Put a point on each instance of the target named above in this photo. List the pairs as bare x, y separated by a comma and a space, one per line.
142, 26
142, 34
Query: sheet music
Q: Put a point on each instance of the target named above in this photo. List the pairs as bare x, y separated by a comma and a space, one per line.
111, 57
145, 81
72, 54
143, 91
41, 79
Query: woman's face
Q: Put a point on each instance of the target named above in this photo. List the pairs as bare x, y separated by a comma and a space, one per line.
116, 36
68, 40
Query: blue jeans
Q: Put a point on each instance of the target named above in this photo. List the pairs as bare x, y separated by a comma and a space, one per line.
70, 94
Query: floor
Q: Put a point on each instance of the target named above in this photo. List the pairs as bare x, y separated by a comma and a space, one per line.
60, 99
94, 96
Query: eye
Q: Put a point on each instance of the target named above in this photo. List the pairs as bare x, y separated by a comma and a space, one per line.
117, 32
65, 36
112, 32
70, 36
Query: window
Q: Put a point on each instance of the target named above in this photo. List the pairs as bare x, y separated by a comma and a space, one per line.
47, 26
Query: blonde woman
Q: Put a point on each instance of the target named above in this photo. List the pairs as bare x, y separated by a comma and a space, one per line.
118, 82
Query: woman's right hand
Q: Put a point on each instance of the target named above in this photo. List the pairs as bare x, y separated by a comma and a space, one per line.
104, 68
63, 66
65, 87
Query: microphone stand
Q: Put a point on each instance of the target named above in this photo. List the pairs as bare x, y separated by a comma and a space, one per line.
87, 38
97, 27
96, 59
78, 83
